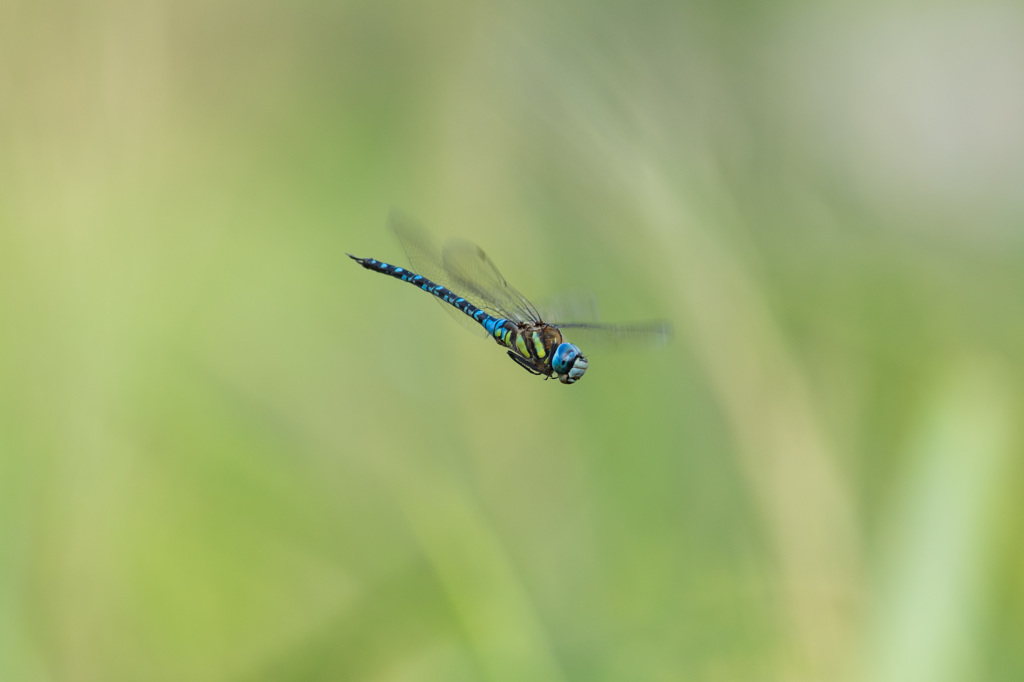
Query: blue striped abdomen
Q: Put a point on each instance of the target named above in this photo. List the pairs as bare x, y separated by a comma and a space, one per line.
489, 322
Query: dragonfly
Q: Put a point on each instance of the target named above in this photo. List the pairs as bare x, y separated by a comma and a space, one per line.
468, 284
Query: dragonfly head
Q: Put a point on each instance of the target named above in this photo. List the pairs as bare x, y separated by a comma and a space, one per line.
568, 363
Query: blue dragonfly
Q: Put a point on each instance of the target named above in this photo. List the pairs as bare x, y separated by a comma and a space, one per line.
487, 303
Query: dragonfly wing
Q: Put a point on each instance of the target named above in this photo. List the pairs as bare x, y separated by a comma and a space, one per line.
425, 259
596, 335
476, 275
578, 306
587, 332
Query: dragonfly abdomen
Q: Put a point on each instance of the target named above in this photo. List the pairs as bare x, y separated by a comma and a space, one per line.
489, 322
533, 342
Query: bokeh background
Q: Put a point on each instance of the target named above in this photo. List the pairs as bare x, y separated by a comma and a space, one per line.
228, 453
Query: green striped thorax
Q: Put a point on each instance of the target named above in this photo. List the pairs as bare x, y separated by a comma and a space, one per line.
539, 348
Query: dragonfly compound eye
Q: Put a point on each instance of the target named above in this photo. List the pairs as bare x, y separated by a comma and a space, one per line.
563, 358
568, 362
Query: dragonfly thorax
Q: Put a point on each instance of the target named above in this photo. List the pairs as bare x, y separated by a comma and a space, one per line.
540, 349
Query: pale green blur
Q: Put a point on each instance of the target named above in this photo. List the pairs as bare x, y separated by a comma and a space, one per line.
227, 452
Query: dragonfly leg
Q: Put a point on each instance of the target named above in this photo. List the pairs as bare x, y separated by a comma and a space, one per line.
522, 363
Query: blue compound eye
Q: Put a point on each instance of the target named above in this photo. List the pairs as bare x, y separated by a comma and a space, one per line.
564, 357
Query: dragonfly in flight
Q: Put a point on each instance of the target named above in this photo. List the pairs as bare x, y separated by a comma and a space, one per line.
464, 278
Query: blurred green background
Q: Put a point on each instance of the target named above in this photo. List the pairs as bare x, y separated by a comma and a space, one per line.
229, 453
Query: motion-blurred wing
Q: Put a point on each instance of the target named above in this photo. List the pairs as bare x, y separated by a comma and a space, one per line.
425, 259
595, 335
578, 306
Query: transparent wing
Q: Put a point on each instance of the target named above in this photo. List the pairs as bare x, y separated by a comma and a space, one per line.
464, 269
595, 335
477, 278
578, 306
587, 332
425, 259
